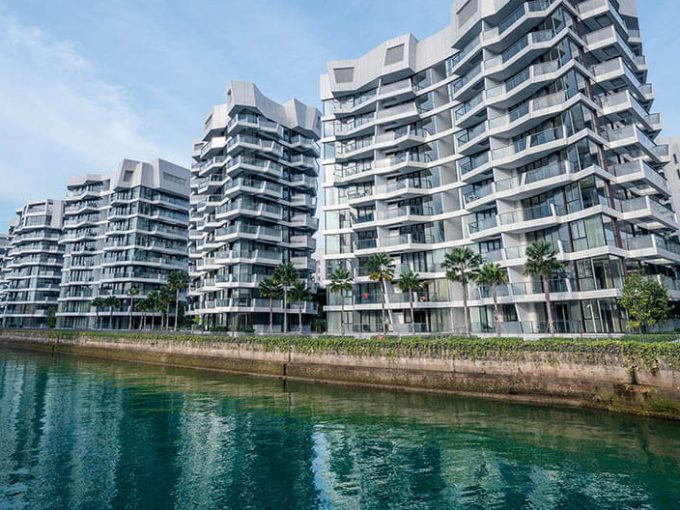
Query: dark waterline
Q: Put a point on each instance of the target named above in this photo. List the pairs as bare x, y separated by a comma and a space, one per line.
85, 434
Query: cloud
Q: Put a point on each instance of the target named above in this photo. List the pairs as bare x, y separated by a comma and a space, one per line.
58, 117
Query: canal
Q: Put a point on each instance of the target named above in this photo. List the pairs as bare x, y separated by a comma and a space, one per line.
78, 433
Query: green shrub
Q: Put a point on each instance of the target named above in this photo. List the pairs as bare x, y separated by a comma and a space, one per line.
633, 351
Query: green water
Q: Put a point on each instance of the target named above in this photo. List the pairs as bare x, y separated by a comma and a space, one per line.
86, 434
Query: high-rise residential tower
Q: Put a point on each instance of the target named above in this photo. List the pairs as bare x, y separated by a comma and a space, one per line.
520, 121
4, 254
253, 201
122, 231
32, 268
672, 170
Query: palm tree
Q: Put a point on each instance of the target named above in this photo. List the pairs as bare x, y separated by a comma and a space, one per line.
132, 293
166, 297
154, 305
269, 289
111, 302
461, 265
98, 303
285, 275
341, 282
542, 262
410, 283
381, 269
493, 275
178, 281
143, 306
299, 293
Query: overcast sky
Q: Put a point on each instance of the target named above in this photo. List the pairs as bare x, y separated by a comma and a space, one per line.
85, 84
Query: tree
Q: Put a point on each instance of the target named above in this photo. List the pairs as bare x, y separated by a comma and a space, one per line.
270, 289
132, 293
542, 262
462, 265
299, 293
154, 305
381, 269
319, 325
142, 306
178, 281
493, 275
166, 296
646, 301
285, 275
111, 302
341, 283
98, 303
410, 283
51, 317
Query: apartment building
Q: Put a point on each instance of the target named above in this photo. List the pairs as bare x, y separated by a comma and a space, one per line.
32, 266
122, 230
672, 170
4, 250
253, 203
520, 121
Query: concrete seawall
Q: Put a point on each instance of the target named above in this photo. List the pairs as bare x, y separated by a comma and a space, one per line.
571, 378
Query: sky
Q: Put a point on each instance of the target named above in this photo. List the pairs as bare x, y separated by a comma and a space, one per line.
86, 84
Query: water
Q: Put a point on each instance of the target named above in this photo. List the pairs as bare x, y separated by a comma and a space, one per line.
86, 434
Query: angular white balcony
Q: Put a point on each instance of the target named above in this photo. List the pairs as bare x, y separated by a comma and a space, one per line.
356, 104
302, 243
243, 142
469, 141
654, 249
239, 256
303, 182
639, 175
531, 113
531, 147
355, 149
402, 162
406, 242
303, 263
254, 187
255, 165
404, 137
305, 221
251, 232
466, 114
355, 126
403, 188
526, 83
399, 90
403, 113
245, 208
594, 12
405, 215
239, 280
353, 172
458, 61
649, 212
621, 140
607, 43
213, 147
521, 19
462, 88
532, 218
522, 52
619, 107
